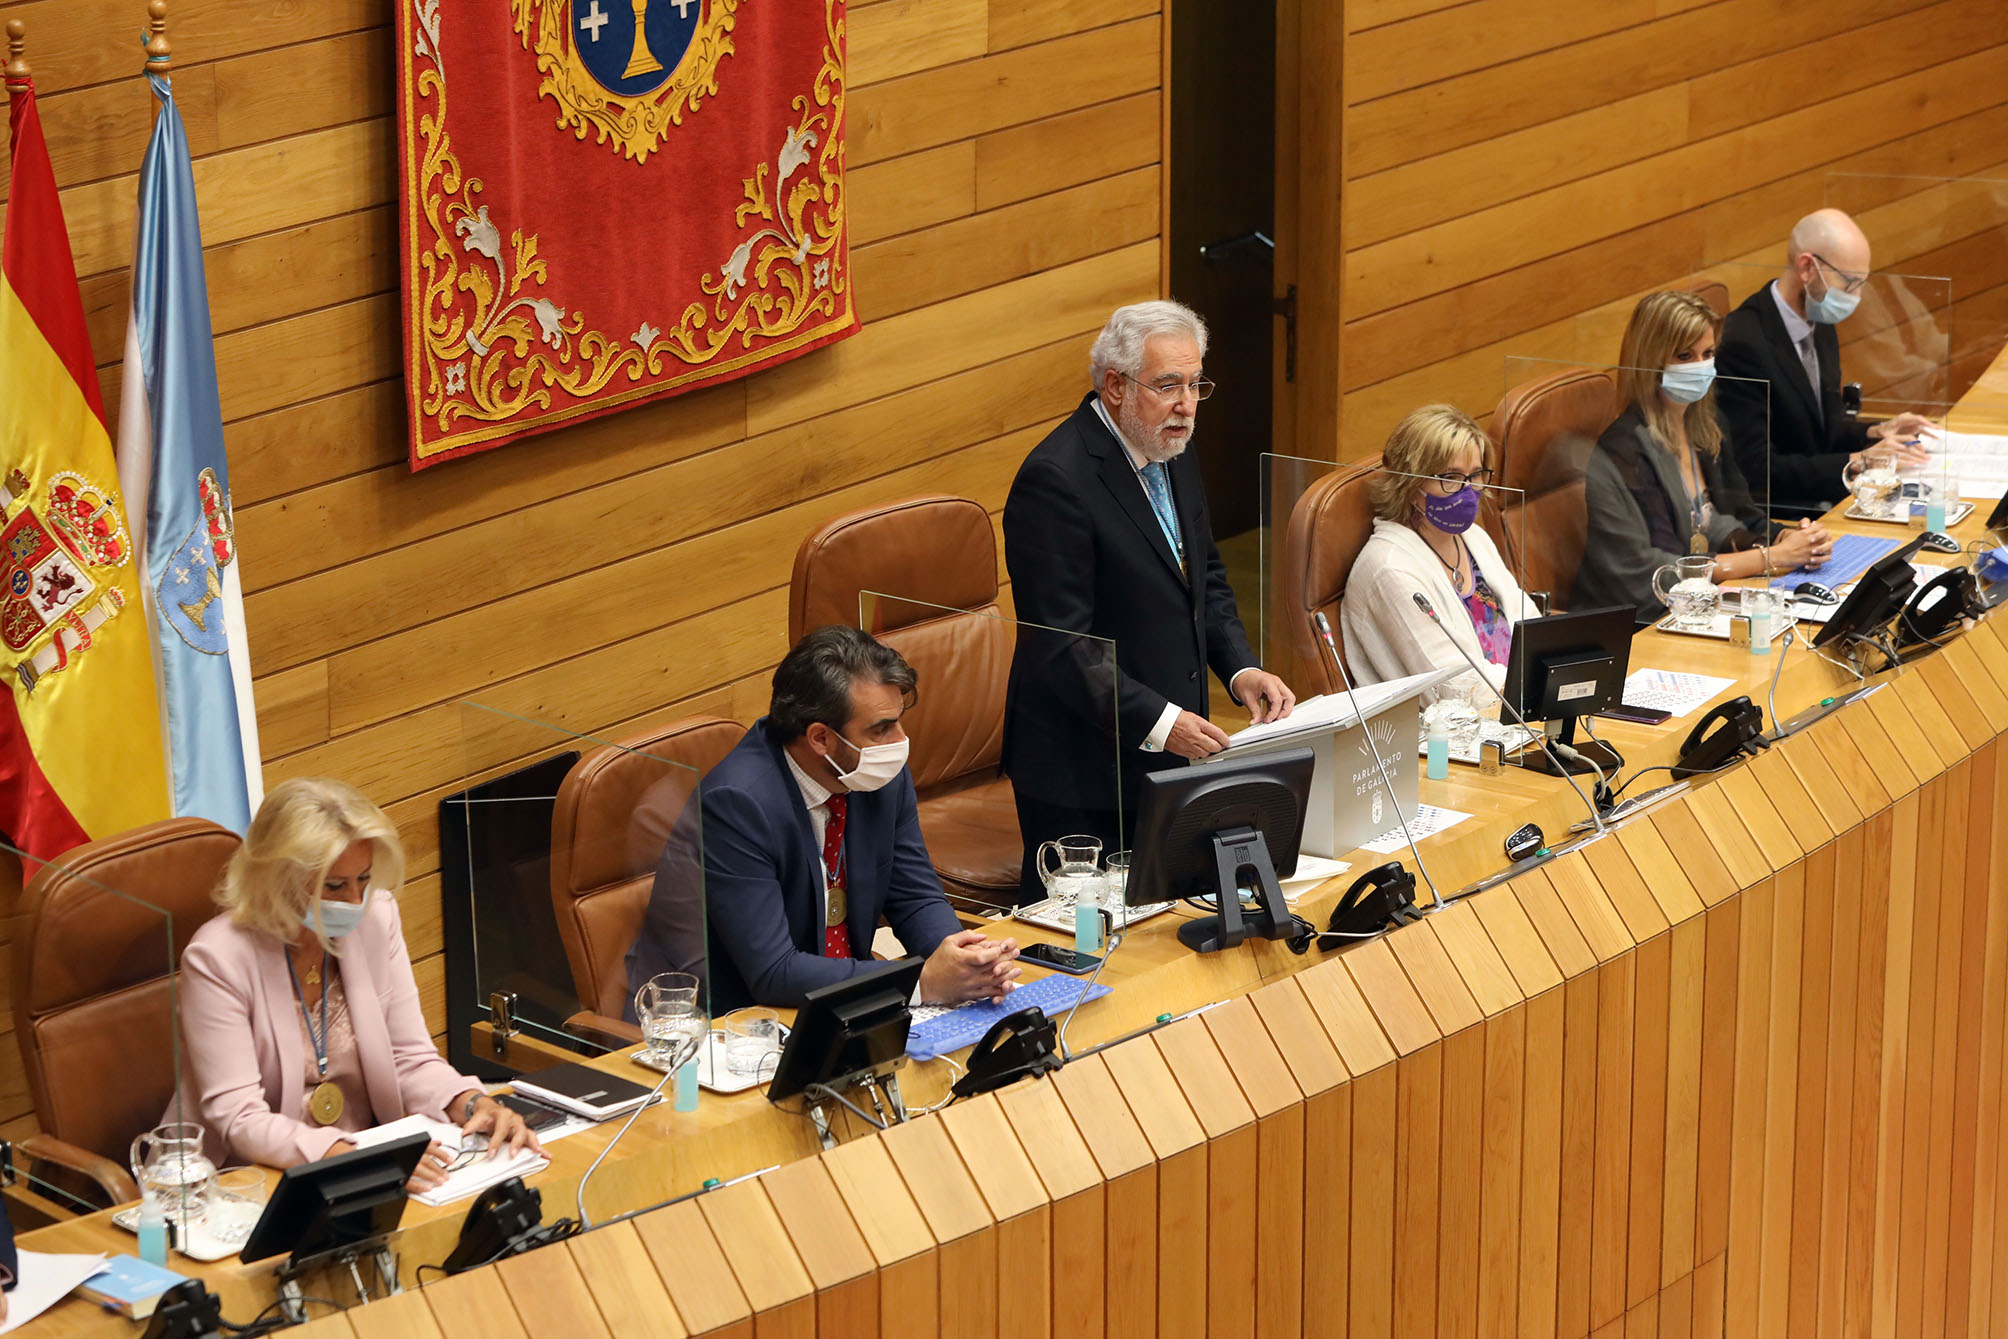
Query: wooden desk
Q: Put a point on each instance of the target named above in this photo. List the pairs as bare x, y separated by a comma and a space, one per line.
1734, 1069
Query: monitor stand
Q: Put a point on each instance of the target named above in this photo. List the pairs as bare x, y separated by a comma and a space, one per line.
1536, 759
1239, 852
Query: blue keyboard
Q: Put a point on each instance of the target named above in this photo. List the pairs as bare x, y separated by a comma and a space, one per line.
1851, 557
938, 1032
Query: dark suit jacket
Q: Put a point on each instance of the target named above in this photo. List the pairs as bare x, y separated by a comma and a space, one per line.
1809, 436
760, 921
1087, 555
1641, 518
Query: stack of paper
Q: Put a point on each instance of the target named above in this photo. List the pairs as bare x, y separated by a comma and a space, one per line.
471, 1177
45, 1280
1339, 711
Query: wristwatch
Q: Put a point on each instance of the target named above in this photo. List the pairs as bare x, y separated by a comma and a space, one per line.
467, 1112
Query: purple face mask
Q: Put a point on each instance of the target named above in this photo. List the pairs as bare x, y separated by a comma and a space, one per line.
1452, 515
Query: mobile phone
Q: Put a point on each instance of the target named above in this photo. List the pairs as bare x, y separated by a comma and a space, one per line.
1060, 958
1637, 715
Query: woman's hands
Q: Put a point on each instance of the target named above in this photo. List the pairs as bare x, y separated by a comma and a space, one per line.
506, 1131
1806, 544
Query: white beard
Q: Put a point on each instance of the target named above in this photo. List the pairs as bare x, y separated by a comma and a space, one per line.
1146, 443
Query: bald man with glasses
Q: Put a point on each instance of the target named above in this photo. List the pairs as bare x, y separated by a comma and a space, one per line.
1782, 338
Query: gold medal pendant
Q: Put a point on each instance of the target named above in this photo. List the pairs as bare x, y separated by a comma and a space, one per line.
1697, 544
325, 1103
835, 906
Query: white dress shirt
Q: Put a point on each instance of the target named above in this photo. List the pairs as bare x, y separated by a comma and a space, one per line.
1800, 331
1154, 741
818, 799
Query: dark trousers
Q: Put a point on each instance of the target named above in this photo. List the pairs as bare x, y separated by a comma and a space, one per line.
1039, 822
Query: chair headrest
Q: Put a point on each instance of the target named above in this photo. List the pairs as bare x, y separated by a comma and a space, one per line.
925, 551
1329, 525
619, 802
1575, 402
115, 913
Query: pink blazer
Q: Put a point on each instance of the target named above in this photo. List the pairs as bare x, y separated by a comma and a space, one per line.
244, 1061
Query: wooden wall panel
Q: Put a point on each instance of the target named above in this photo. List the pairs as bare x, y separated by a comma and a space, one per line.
1006, 191
1515, 173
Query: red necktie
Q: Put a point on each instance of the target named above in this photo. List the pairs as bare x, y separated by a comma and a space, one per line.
836, 938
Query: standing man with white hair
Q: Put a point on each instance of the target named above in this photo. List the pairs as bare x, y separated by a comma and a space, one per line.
1108, 543
1780, 365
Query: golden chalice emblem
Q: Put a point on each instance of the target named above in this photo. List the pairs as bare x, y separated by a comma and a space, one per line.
641, 60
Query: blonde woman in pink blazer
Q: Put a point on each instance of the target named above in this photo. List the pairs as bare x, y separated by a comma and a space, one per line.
300, 1022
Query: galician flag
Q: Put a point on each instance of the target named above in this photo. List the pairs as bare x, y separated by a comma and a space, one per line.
172, 467
80, 747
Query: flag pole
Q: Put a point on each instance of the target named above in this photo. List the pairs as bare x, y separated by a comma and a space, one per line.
159, 55
17, 61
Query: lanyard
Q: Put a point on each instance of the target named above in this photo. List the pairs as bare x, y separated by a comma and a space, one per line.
1698, 542
320, 1040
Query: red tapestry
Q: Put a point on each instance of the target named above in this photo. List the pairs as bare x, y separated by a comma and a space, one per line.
611, 201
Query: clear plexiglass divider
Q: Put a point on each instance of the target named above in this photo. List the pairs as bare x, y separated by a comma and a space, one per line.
1611, 508
1965, 464
1898, 340
571, 875
1951, 226
82, 944
1076, 748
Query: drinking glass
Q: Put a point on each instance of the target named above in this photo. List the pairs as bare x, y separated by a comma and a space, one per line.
235, 1206
666, 1008
752, 1040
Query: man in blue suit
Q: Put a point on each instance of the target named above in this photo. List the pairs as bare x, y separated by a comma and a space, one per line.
810, 832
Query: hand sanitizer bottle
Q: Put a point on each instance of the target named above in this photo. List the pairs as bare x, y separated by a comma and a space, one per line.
152, 1230
1439, 749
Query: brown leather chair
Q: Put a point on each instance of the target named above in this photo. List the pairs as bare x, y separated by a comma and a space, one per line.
1544, 430
92, 992
1714, 292
615, 811
1328, 526
935, 559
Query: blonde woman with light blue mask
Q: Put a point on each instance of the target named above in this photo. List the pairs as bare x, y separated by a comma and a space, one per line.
300, 1017
1660, 486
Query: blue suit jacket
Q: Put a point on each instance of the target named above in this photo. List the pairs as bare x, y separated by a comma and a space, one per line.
761, 927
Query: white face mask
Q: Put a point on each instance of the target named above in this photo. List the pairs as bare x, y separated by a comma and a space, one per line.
338, 920
876, 766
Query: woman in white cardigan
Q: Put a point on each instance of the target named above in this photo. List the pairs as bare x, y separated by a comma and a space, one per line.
1426, 539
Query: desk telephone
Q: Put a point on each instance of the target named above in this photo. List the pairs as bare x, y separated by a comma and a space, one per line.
1733, 728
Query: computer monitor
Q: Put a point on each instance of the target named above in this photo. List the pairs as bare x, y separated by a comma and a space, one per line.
1997, 520
337, 1202
849, 1030
1567, 666
1879, 595
1215, 828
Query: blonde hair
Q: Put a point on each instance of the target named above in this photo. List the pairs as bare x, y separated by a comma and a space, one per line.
1662, 325
1421, 445
300, 831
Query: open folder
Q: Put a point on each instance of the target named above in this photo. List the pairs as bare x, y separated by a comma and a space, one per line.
1330, 712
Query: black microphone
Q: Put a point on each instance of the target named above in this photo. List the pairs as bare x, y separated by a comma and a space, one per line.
1541, 736
1323, 626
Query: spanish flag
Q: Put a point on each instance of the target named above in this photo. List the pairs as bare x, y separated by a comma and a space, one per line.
80, 735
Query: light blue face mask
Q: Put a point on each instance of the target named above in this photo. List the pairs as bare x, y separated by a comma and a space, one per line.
338, 919
1832, 308
1684, 383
